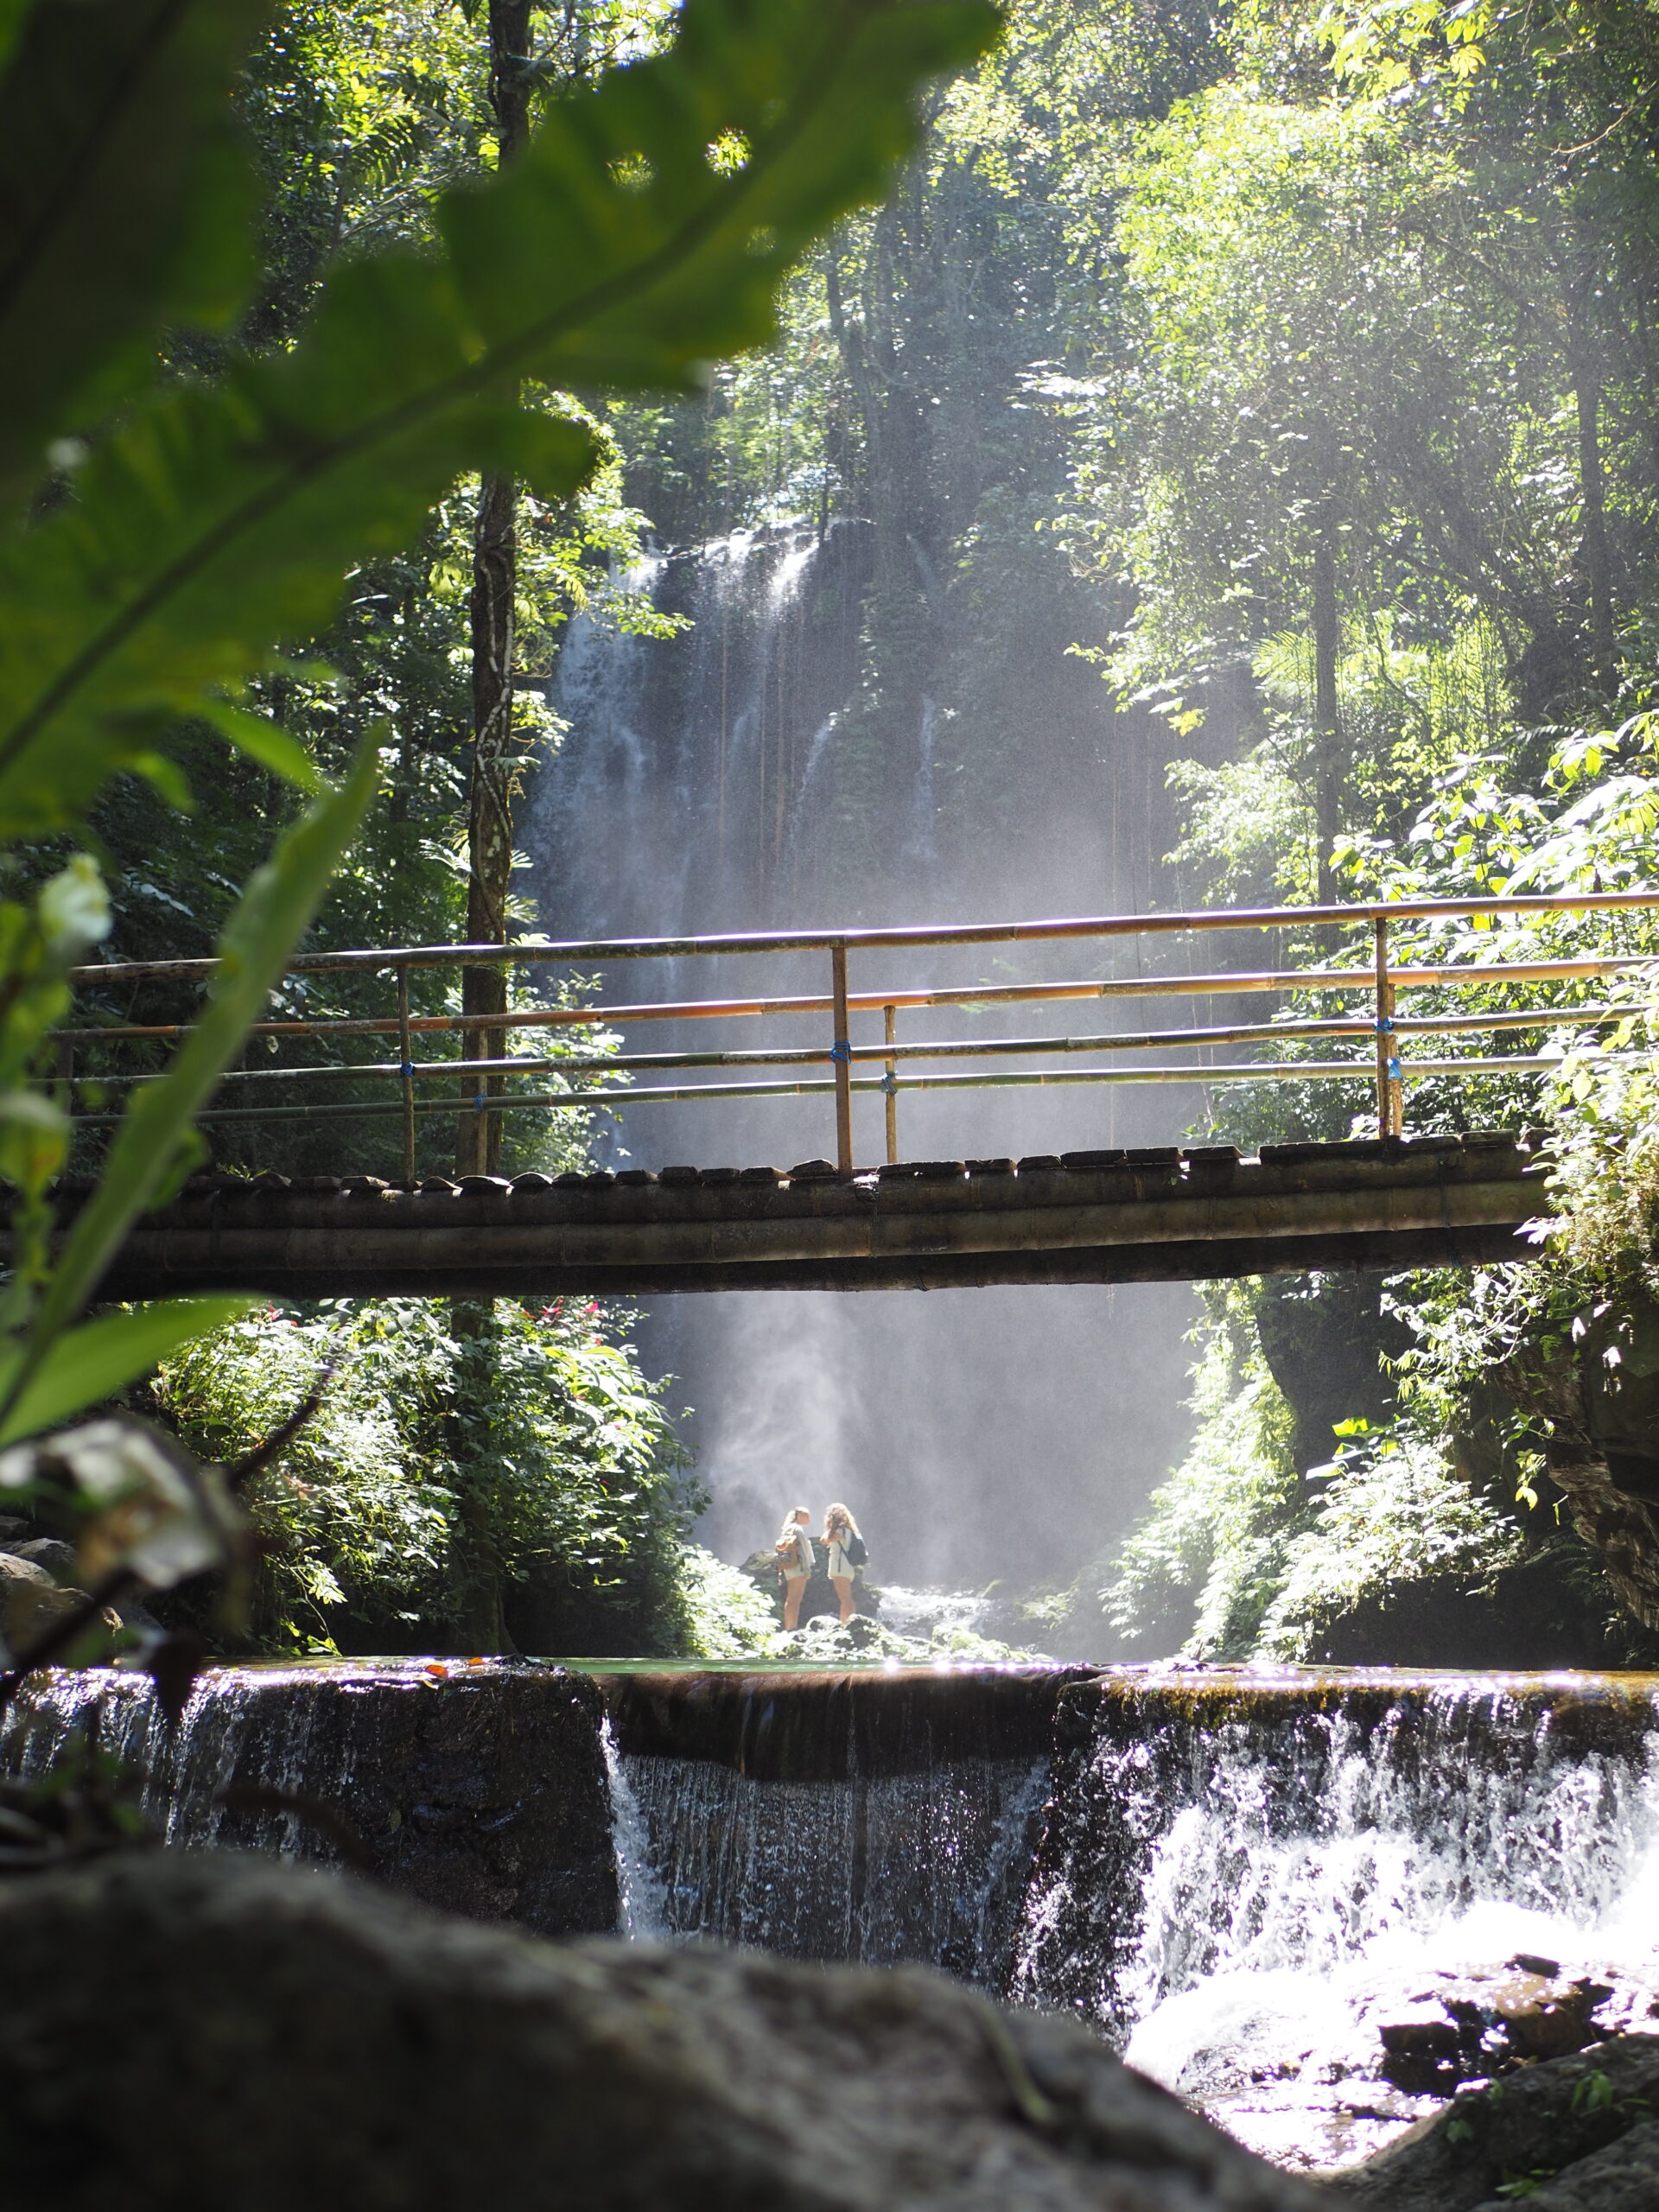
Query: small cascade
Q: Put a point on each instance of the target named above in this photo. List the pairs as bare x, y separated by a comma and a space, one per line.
920, 850
881, 1817
479, 1788
933, 1613
241, 1733
1313, 1907
1264, 1826
641, 1907
881, 1869
1312, 1904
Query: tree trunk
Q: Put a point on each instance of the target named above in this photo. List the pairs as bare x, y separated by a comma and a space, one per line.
489, 825
1330, 764
480, 1624
1594, 555
477, 1618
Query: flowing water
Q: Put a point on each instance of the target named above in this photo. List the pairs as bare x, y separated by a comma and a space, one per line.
1240, 1880
1241, 1885
731, 778
881, 1869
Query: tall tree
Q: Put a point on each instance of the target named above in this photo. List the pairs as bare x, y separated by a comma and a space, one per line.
495, 577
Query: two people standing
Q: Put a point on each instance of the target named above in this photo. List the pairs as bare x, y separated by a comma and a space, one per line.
797, 1559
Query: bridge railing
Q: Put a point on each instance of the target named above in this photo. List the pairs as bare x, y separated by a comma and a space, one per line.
484, 1064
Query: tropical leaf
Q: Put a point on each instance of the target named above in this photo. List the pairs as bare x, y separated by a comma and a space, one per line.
89, 1363
264, 740
624, 248
278, 902
125, 202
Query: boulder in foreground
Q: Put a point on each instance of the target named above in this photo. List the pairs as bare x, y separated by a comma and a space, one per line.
184, 2033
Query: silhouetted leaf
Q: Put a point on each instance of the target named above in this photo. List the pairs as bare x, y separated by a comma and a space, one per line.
125, 201
619, 249
275, 906
89, 1363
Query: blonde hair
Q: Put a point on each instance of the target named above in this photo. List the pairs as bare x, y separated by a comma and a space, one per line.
790, 1528
837, 1517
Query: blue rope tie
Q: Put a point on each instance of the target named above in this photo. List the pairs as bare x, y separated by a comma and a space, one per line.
1385, 1024
479, 1101
406, 1068
1394, 1071
842, 1050
890, 1084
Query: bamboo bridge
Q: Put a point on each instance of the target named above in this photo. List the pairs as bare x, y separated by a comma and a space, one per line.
1091, 1217
1103, 1214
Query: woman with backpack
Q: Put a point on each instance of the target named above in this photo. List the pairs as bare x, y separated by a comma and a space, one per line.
795, 1562
847, 1552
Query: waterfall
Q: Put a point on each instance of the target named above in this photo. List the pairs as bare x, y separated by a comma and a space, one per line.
247, 1729
741, 776
1240, 1879
1200, 1839
642, 1912
478, 1788
677, 797
879, 1816
881, 1869
921, 848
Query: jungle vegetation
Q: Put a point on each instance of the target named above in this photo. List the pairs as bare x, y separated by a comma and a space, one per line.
1285, 381
273, 284
1288, 376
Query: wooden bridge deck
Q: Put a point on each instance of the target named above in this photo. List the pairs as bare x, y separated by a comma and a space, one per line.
1088, 1216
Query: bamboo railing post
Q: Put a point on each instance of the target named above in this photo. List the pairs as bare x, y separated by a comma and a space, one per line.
890, 1087
1390, 1091
406, 1060
840, 1052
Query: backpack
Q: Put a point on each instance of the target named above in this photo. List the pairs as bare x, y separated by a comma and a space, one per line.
857, 1550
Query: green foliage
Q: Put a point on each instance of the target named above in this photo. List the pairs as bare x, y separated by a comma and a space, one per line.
162, 552
1412, 714
127, 201
618, 251
730, 1616
1207, 1559
542, 1421
1391, 1511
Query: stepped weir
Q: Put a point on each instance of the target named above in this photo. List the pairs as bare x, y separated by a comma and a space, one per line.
1126, 1844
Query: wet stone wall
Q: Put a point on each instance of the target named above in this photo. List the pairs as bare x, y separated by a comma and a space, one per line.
481, 1790
1115, 1844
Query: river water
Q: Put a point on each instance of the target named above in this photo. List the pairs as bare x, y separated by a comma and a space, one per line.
1241, 1879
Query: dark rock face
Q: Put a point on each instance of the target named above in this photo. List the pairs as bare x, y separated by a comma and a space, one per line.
479, 1788
31, 1602
1579, 2130
818, 1599
191, 2034
1603, 1449
1325, 1348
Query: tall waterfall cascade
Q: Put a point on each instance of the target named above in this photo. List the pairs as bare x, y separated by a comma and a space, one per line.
736, 776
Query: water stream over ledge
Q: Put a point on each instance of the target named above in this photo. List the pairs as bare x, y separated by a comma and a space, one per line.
1243, 1876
